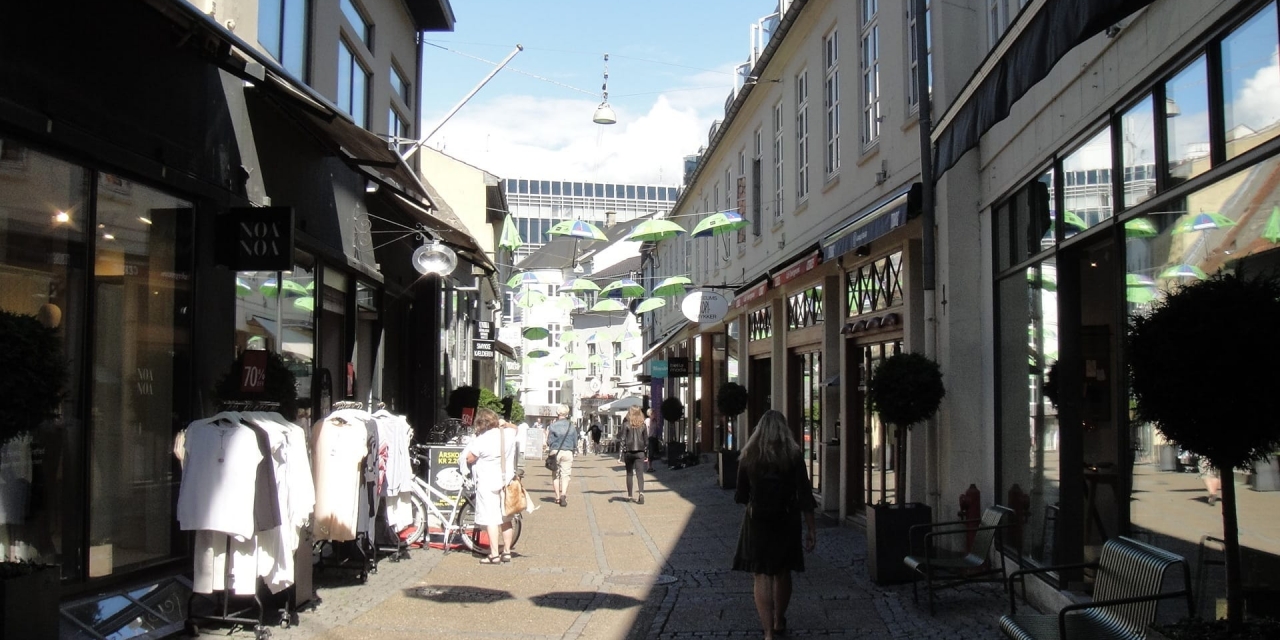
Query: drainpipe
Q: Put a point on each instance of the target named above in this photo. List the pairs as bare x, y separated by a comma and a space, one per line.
929, 249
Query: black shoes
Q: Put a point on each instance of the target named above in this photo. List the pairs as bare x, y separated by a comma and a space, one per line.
564, 501
640, 499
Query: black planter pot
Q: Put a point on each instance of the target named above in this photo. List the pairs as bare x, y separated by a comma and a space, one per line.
29, 605
675, 454
888, 540
728, 469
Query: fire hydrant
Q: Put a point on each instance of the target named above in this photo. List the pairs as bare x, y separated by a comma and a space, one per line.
970, 512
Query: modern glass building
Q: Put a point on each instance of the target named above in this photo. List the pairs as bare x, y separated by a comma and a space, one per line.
538, 204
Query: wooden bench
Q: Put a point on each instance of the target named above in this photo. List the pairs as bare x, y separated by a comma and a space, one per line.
1127, 587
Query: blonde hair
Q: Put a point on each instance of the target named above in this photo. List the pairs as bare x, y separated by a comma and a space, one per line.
486, 419
635, 418
772, 444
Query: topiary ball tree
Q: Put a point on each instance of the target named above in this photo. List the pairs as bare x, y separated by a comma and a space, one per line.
731, 400
33, 374
672, 409
1202, 369
905, 389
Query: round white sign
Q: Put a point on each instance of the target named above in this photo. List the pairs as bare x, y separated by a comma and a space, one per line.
704, 307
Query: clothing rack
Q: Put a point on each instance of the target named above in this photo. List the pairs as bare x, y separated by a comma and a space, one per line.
342, 555
348, 404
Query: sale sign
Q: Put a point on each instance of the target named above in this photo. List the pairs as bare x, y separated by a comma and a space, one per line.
253, 372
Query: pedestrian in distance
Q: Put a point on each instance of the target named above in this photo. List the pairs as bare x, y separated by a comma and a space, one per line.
774, 485
595, 432
631, 442
562, 441
484, 458
654, 426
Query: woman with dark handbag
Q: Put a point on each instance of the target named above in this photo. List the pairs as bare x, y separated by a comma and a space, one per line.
774, 485
631, 442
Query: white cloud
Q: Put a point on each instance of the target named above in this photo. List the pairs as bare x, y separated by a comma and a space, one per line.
527, 136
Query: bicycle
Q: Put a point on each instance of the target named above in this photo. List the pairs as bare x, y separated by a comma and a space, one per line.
458, 525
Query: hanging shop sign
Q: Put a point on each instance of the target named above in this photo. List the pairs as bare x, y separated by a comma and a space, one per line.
484, 330
677, 367
481, 349
255, 239
658, 368
705, 307
799, 268
751, 295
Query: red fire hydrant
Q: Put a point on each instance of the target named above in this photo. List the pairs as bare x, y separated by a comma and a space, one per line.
971, 512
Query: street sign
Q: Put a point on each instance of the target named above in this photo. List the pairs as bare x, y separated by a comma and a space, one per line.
482, 349
484, 330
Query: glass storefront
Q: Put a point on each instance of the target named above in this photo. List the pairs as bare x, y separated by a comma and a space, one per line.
275, 311
879, 443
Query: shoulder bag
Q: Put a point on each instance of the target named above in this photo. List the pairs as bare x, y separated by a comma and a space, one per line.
514, 498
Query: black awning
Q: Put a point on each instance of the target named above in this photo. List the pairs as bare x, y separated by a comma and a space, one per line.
456, 238
884, 216
1049, 35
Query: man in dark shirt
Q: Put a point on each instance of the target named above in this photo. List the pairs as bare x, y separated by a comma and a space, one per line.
595, 431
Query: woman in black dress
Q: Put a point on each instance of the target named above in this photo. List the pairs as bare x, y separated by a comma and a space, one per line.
774, 485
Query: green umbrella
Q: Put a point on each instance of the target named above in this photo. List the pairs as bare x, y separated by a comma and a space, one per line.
596, 359
1074, 220
531, 298
307, 303
649, 304
563, 303
510, 238
625, 355
568, 335
609, 305
311, 286
719, 223
1140, 289
1203, 222
577, 229
539, 353
1140, 228
573, 362
1272, 230
673, 286
535, 333
242, 288
566, 377
624, 288
526, 277
580, 284
1184, 271
270, 288
655, 230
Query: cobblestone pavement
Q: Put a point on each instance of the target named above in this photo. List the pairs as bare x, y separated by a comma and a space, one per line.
606, 568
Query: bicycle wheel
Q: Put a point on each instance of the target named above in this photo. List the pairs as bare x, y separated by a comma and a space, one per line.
474, 537
419, 524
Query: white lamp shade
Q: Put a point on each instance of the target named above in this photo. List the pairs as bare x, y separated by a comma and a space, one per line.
604, 114
434, 258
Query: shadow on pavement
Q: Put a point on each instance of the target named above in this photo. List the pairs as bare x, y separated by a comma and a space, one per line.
580, 600
464, 594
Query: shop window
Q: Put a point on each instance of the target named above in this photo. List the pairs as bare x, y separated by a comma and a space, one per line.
1137, 134
275, 311
44, 215
1251, 83
875, 286
142, 378
1087, 201
880, 440
760, 323
804, 309
809, 398
1187, 122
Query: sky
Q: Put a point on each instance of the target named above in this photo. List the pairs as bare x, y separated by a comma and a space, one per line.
671, 67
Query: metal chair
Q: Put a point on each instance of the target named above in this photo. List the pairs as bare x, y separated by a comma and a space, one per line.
973, 566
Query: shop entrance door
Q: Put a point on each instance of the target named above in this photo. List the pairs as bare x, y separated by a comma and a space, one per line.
878, 443
759, 387
804, 409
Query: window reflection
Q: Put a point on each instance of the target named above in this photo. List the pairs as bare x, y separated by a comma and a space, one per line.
1251, 83
275, 311
1086, 184
1137, 131
1187, 122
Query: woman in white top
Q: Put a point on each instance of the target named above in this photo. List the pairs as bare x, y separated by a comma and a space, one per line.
483, 457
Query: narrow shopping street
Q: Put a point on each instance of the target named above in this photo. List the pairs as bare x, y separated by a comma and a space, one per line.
606, 568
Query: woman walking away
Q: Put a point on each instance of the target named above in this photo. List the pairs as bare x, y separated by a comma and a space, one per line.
631, 442
484, 457
772, 482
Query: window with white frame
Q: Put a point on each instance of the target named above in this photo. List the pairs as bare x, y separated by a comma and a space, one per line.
913, 97
617, 360
283, 32
728, 188
802, 135
553, 392
553, 340
870, 72
831, 100
778, 165
353, 85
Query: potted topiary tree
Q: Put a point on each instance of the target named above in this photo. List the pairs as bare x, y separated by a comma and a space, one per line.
731, 400
904, 390
1201, 366
673, 411
33, 374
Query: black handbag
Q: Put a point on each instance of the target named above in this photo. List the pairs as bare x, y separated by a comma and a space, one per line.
551, 460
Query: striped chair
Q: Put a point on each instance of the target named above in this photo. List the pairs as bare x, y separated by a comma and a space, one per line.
1127, 588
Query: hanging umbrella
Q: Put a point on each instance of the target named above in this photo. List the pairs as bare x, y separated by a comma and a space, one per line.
673, 286
510, 238
1184, 271
563, 303
624, 288
1140, 289
581, 284
1074, 220
568, 335
1140, 228
649, 304
306, 304
596, 359
609, 305
271, 288
1272, 230
625, 355
566, 377
526, 277
242, 288
719, 223
573, 362
539, 353
535, 333
577, 229
655, 230
531, 298
1204, 222
311, 286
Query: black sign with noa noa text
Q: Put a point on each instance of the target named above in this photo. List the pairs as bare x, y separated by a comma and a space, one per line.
256, 239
